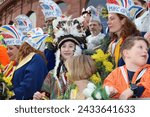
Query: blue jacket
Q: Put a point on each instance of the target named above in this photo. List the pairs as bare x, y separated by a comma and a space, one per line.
50, 56
29, 77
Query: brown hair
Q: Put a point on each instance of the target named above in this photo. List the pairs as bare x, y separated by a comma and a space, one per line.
80, 67
130, 41
128, 29
142, 2
25, 49
17, 46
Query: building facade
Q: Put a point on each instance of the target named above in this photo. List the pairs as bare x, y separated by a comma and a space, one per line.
9, 9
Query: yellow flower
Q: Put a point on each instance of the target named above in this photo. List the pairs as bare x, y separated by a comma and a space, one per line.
95, 79
107, 55
49, 40
108, 66
7, 80
10, 93
1, 68
99, 56
73, 94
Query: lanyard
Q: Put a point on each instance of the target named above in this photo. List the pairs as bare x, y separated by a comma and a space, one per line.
138, 77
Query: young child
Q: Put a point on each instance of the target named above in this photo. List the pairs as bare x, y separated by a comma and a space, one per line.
80, 69
133, 79
68, 43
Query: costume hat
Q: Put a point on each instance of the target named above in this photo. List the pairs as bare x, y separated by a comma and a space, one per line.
36, 37
119, 6
95, 18
68, 31
90, 10
12, 36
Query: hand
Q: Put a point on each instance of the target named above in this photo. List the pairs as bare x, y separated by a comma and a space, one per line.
126, 94
38, 96
111, 91
147, 36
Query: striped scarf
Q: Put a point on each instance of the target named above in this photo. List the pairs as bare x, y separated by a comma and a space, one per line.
9, 69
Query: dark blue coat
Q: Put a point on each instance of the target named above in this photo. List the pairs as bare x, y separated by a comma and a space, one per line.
29, 78
50, 56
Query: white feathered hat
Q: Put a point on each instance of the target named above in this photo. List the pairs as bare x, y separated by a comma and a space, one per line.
68, 31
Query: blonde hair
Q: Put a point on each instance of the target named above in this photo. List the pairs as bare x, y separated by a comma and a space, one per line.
80, 67
25, 49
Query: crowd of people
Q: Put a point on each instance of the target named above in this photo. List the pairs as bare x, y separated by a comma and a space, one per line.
58, 64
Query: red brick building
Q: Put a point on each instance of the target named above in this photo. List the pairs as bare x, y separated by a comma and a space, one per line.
9, 9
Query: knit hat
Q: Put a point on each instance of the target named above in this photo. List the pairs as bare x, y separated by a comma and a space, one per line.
12, 36
36, 38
